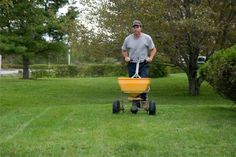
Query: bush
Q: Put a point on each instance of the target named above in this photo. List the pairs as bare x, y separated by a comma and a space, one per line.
90, 70
43, 70
95, 70
220, 72
83, 70
12, 66
174, 69
66, 70
157, 68
41, 73
40, 66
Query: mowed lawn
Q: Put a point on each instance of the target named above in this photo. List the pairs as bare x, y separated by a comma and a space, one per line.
72, 117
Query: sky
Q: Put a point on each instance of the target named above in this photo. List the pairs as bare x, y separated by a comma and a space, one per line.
83, 16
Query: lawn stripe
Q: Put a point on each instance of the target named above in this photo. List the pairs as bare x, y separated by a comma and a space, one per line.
66, 119
24, 126
6, 114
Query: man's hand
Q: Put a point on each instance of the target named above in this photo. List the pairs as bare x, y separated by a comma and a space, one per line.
127, 59
148, 59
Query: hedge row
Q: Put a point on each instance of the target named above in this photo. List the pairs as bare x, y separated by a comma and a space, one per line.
42, 70
12, 66
95, 70
83, 70
156, 69
90, 70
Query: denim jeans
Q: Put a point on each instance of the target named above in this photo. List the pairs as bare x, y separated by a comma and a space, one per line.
143, 73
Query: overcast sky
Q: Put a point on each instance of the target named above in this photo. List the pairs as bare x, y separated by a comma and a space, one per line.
82, 16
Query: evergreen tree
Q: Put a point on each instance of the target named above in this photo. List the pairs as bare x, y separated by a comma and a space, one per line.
25, 27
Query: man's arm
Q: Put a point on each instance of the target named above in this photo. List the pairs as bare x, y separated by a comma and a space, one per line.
126, 55
152, 54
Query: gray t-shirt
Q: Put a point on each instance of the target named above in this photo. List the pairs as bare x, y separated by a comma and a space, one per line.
138, 48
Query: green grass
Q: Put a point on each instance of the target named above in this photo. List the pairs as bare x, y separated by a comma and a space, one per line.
72, 117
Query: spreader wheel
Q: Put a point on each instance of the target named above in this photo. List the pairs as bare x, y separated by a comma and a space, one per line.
152, 108
116, 106
134, 109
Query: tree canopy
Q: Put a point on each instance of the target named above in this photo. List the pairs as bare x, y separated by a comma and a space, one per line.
181, 29
25, 27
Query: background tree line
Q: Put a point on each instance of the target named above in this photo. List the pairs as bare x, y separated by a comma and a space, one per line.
182, 30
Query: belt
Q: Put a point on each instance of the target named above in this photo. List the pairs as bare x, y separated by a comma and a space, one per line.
142, 61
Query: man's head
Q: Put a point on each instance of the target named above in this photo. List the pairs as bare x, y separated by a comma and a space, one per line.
137, 27
137, 23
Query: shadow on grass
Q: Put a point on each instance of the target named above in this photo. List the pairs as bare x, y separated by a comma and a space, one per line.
130, 149
224, 112
224, 109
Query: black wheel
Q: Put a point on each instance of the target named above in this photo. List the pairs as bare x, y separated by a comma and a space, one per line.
136, 103
116, 106
134, 109
152, 108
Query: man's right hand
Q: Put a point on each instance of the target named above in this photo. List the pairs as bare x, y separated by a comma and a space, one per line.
127, 59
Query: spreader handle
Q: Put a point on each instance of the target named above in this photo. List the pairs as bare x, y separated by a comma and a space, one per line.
136, 75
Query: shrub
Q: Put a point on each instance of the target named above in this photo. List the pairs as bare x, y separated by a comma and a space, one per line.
40, 66
83, 70
174, 69
41, 73
109, 60
157, 68
220, 72
66, 70
95, 70
43, 70
90, 70
12, 66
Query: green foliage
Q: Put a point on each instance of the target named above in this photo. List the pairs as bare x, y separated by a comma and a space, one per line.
180, 29
12, 66
220, 72
40, 66
158, 68
94, 70
41, 73
83, 70
25, 25
43, 70
174, 69
66, 70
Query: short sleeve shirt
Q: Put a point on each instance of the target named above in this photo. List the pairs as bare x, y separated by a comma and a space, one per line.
138, 48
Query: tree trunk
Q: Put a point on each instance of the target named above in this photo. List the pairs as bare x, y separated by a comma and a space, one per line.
194, 86
25, 67
193, 81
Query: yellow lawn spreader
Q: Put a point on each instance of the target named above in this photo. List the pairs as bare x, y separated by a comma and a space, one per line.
131, 88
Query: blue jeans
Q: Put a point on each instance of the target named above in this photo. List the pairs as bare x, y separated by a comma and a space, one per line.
143, 72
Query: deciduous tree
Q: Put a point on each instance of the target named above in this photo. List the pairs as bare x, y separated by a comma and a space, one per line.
181, 29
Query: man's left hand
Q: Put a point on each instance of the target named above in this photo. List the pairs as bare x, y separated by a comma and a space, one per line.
149, 59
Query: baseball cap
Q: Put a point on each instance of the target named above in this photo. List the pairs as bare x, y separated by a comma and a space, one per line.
137, 23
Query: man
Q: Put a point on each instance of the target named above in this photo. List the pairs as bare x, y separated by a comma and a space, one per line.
138, 46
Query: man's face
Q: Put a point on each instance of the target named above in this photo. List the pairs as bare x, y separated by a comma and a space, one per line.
137, 29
